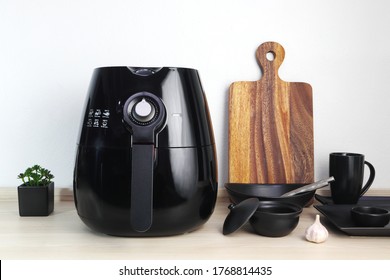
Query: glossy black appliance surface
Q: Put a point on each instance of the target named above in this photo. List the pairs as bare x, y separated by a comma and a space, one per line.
146, 163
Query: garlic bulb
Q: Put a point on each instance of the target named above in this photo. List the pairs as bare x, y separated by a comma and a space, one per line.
317, 233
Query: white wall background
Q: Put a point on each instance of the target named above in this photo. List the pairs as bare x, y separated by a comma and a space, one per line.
49, 48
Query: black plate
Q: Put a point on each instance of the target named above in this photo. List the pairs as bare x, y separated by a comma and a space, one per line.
340, 216
364, 200
268, 192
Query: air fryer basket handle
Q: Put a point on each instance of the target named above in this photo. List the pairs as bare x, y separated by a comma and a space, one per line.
144, 117
142, 187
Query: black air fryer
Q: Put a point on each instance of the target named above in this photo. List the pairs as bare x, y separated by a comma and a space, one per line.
146, 163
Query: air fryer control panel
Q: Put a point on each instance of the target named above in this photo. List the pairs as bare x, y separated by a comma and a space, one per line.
122, 102
98, 118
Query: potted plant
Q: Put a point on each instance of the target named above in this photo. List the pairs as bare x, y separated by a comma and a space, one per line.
36, 194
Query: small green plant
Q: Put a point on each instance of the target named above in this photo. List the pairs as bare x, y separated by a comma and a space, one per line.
36, 176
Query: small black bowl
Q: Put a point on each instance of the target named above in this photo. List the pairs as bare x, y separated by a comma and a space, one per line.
268, 192
367, 216
275, 219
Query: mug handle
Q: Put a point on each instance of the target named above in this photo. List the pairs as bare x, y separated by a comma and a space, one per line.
370, 179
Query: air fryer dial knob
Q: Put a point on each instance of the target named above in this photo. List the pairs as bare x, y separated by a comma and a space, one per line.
143, 111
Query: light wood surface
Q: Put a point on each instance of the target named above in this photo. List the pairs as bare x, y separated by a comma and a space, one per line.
63, 236
271, 126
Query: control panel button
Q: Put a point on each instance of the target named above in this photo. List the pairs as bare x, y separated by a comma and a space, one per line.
143, 111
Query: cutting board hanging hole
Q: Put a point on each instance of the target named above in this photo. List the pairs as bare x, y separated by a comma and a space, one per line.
270, 56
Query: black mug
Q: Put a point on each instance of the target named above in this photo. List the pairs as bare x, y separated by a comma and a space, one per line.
348, 172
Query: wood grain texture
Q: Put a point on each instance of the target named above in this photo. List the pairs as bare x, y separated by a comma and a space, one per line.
62, 236
270, 126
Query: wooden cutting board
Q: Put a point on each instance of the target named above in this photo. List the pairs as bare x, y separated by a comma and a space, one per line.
271, 126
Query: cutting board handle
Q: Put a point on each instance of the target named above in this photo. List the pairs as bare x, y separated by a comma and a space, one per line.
270, 56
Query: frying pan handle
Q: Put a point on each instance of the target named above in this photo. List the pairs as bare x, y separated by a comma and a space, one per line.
270, 56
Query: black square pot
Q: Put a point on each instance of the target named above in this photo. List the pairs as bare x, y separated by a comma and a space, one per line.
36, 200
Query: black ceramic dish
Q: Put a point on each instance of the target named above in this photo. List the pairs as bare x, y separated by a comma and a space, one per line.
340, 216
268, 218
275, 219
268, 192
368, 216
